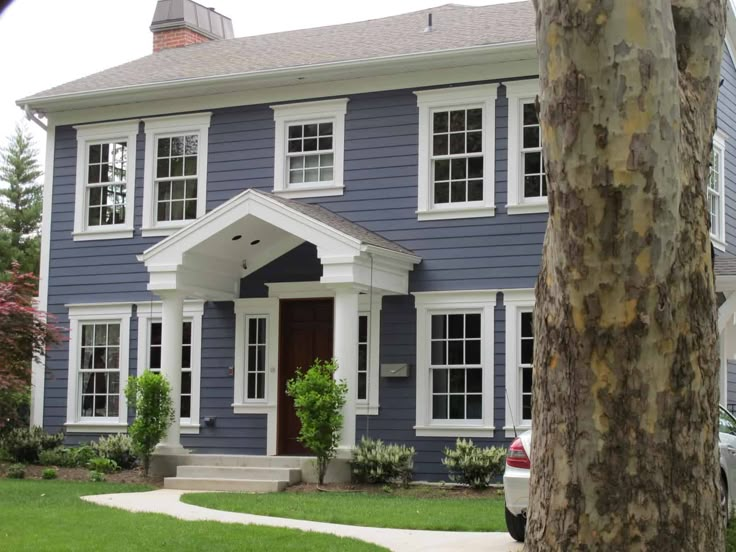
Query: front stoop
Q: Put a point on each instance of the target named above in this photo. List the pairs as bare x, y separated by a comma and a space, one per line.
255, 474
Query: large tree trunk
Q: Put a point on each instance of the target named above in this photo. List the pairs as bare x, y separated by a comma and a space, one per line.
626, 372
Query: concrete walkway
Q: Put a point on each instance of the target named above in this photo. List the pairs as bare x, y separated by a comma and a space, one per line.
166, 501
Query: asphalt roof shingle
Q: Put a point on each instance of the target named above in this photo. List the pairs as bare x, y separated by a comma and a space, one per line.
339, 223
454, 26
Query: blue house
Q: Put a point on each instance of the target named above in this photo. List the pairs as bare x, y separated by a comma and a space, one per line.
226, 210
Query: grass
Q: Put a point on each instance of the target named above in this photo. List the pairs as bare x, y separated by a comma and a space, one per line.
49, 515
366, 509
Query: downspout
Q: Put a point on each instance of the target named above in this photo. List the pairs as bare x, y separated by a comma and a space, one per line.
32, 117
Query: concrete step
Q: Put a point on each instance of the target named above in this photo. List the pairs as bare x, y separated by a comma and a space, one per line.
292, 475
214, 484
245, 461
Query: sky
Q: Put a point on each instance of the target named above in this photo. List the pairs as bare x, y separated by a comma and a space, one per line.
49, 42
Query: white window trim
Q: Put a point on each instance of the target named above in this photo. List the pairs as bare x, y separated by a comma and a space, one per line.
198, 124
516, 204
193, 311
719, 142
484, 96
106, 132
96, 312
325, 111
269, 309
427, 304
515, 302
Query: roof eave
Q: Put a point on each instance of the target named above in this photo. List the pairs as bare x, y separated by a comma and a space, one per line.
275, 77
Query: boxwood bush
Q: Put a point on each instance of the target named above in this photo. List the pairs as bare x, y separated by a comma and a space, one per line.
472, 465
25, 444
377, 462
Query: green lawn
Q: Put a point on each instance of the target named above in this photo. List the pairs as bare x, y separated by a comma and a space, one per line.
367, 509
49, 515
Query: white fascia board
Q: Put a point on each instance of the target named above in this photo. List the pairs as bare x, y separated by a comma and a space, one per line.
511, 51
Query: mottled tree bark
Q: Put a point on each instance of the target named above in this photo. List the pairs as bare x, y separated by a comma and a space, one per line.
624, 449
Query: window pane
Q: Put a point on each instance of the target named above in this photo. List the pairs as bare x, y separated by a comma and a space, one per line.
186, 383
362, 395
530, 114
527, 351
186, 406
442, 170
93, 174
164, 147
325, 143
439, 327
527, 327
155, 358
295, 146
439, 381
362, 328
177, 210
95, 153
439, 407
325, 129
475, 119
474, 142
439, 352
532, 186
457, 143
475, 407
472, 351
472, 325
310, 130
177, 166
310, 144
457, 120
442, 192
191, 144
440, 122
295, 131
190, 166
260, 386
455, 352
251, 385
457, 407
113, 358
439, 144
526, 407
457, 381
526, 380
177, 145
532, 163
458, 169
456, 323
475, 380
100, 334
88, 331
262, 330
475, 167
531, 137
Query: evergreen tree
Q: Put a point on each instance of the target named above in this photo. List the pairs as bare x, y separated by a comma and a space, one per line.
20, 202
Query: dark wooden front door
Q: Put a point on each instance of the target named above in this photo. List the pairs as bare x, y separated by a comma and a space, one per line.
305, 334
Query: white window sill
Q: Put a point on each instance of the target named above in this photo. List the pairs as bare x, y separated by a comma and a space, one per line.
95, 427
454, 431
106, 234
457, 213
156, 231
511, 432
367, 409
312, 191
718, 243
189, 429
526, 208
258, 408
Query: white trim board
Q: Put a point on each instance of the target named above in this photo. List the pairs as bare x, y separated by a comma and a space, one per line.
515, 301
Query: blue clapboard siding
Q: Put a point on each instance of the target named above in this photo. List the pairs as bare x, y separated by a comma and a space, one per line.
731, 387
380, 194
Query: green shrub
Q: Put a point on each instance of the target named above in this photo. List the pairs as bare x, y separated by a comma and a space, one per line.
472, 465
118, 448
150, 394
81, 455
318, 400
96, 477
25, 444
16, 471
49, 473
103, 465
377, 462
14, 408
59, 456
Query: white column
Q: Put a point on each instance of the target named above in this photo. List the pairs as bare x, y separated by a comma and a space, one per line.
346, 354
172, 318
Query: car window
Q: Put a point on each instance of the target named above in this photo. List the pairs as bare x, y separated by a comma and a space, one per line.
726, 423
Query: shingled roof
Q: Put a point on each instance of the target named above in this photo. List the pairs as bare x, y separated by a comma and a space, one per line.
454, 27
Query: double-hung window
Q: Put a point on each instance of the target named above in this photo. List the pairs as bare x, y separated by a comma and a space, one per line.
105, 187
455, 363
527, 180
456, 152
98, 367
716, 192
175, 177
309, 148
150, 339
369, 330
519, 304
256, 356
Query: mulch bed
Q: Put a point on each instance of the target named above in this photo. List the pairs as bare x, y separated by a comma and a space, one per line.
82, 474
414, 490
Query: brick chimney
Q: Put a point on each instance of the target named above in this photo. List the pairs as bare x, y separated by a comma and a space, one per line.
179, 23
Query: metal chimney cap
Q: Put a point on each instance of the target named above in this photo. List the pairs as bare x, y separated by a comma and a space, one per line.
172, 14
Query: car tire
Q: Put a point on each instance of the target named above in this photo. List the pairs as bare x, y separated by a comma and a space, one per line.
516, 526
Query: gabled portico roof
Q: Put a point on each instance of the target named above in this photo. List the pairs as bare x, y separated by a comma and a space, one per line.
208, 257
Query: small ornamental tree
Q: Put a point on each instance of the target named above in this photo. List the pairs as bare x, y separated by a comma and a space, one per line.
25, 333
318, 399
150, 394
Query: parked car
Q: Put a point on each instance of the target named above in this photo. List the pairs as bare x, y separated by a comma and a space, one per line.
518, 470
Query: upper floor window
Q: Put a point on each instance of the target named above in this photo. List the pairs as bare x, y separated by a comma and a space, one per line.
309, 148
105, 188
527, 181
716, 192
456, 152
175, 179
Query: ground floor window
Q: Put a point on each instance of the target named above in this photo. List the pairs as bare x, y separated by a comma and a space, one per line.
98, 366
154, 362
256, 355
519, 306
454, 367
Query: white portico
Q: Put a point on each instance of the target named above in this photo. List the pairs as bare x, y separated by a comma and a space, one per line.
207, 260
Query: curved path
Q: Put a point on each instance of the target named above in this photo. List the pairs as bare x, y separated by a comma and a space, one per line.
166, 501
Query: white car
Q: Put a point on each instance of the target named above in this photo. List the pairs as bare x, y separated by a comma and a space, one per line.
518, 469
